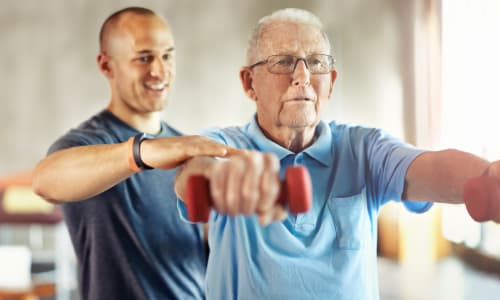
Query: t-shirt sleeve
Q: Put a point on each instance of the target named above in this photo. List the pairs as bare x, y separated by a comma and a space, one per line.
389, 159
75, 138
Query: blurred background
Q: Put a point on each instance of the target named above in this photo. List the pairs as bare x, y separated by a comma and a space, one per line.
424, 70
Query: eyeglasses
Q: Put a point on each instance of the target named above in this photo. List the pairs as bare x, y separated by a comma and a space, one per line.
286, 64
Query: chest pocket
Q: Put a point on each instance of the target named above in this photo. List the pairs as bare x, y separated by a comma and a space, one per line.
350, 219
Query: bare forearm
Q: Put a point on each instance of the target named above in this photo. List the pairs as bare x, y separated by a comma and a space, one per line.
81, 172
439, 176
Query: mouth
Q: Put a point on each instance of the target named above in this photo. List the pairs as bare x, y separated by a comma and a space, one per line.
157, 87
307, 99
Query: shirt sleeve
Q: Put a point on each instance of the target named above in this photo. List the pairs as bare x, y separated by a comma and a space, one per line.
389, 159
75, 138
215, 134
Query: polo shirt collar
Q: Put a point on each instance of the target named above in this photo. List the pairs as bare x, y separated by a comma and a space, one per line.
320, 150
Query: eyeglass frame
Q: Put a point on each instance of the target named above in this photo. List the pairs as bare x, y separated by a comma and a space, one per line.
304, 59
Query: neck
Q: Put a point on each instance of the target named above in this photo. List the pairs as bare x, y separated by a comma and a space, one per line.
294, 139
145, 122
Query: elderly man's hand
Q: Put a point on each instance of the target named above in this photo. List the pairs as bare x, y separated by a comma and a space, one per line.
247, 183
494, 170
482, 195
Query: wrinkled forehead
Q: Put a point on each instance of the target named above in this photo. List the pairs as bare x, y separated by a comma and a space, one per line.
287, 37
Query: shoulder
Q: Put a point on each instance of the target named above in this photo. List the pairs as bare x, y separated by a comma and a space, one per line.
168, 130
355, 133
102, 128
235, 136
362, 141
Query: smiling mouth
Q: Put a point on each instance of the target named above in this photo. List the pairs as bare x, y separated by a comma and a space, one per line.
156, 87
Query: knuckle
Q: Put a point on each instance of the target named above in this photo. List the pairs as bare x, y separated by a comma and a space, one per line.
231, 207
247, 209
250, 198
272, 161
270, 185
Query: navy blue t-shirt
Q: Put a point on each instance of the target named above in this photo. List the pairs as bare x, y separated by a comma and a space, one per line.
129, 240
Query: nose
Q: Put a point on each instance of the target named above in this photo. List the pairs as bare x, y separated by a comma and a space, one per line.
301, 75
158, 68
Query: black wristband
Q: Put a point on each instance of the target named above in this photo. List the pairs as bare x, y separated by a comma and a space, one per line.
136, 149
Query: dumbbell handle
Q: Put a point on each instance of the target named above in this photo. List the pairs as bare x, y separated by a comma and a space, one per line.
295, 191
482, 198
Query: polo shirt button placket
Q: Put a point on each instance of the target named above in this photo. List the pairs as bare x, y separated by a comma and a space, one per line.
298, 159
285, 163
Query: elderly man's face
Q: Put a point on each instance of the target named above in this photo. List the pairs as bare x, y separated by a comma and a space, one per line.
290, 100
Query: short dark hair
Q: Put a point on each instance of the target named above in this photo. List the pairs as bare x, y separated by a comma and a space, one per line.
114, 17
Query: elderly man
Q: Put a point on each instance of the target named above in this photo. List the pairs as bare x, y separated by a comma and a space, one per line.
330, 251
122, 214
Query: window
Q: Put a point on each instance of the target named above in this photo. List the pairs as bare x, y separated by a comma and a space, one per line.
470, 115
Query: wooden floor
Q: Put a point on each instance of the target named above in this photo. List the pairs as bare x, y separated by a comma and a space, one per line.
448, 279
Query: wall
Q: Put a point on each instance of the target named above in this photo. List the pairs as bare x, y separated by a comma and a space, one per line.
50, 82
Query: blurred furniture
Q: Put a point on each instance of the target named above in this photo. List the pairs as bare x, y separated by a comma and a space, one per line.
33, 293
409, 237
20, 207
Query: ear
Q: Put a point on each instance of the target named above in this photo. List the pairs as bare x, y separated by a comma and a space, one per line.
103, 63
333, 77
247, 83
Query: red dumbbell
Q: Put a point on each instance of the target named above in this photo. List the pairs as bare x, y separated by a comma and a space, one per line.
295, 191
482, 198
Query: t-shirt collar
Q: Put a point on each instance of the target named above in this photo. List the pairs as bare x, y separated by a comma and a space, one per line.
320, 150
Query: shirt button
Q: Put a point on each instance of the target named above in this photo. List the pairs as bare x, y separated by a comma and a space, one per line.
298, 159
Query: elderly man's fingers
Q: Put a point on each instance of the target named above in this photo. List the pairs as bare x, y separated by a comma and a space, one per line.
265, 218
218, 182
269, 183
276, 213
250, 191
280, 213
235, 178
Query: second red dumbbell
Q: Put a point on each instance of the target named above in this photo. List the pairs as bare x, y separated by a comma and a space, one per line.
295, 192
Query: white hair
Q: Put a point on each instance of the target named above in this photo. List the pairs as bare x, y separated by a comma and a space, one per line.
294, 15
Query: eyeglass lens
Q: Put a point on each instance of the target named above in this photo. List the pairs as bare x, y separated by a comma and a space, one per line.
316, 63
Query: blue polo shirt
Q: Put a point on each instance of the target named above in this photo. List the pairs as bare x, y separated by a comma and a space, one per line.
328, 252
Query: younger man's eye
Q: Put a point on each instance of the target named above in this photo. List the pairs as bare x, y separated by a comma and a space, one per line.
145, 59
